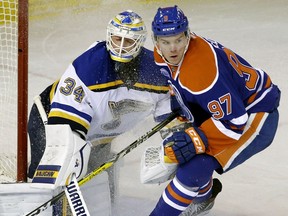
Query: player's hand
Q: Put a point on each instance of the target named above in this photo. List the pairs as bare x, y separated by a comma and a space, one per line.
182, 146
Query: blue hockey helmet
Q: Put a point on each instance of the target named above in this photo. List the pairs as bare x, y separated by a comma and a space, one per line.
169, 21
127, 25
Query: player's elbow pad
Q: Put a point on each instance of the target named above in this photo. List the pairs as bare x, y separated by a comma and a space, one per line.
182, 146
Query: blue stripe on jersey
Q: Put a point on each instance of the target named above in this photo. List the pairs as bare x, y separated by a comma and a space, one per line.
71, 110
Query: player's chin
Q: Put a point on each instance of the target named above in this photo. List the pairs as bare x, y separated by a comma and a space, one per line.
174, 60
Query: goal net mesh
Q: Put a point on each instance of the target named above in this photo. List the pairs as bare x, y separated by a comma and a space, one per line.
8, 89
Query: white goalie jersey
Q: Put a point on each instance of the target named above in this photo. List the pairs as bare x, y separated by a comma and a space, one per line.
92, 98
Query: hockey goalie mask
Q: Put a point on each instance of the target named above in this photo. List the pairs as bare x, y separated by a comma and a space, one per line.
126, 34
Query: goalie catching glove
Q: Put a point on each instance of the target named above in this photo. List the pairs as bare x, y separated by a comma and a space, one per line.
182, 146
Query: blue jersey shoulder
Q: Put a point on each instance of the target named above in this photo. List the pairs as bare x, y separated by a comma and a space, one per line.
95, 66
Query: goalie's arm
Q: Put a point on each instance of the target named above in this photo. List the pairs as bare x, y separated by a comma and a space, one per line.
72, 103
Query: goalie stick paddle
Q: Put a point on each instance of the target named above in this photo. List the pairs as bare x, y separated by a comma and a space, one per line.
75, 198
107, 164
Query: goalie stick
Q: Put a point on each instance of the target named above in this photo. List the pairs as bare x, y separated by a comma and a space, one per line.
75, 198
38, 103
107, 164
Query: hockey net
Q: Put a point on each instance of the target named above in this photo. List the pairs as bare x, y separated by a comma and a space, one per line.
11, 102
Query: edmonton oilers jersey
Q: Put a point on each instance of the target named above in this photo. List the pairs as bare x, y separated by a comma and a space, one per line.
92, 98
215, 83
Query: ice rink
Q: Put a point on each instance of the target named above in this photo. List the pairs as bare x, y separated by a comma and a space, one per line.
255, 29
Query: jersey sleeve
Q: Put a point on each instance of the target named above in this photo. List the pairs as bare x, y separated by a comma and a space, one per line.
70, 104
162, 108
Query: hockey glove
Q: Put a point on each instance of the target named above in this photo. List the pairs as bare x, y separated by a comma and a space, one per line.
182, 146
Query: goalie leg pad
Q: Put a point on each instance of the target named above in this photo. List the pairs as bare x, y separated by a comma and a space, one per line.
65, 153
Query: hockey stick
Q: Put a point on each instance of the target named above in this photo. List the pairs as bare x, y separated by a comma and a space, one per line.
72, 190
75, 198
107, 164
41, 110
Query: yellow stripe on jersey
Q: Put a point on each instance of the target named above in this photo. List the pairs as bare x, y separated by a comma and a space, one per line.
106, 85
138, 85
152, 87
52, 92
69, 117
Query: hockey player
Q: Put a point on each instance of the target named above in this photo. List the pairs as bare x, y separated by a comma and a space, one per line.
231, 105
104, 92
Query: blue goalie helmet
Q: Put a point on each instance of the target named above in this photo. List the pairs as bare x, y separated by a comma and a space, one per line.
126, 34
169, 21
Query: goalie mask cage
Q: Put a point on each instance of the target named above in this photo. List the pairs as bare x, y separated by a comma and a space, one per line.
13, 90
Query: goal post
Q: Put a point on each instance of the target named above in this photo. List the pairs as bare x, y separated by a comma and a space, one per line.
22, 89
14, 90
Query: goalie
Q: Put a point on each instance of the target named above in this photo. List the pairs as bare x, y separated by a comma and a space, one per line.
103, 93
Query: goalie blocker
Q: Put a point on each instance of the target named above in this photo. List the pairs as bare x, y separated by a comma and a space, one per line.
66, 153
